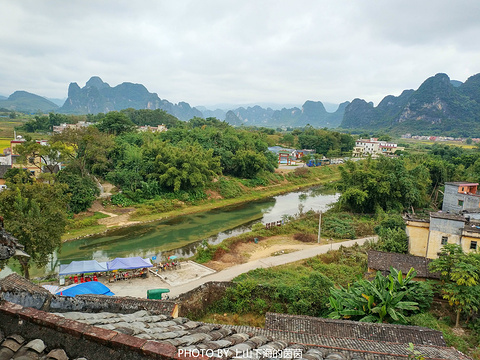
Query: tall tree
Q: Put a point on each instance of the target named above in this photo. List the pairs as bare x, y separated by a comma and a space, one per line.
116, 123
47, 157
460, 275
35, 213
87, 148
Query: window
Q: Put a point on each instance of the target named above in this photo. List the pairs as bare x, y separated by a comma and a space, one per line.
473, 245
460, 202
444, 240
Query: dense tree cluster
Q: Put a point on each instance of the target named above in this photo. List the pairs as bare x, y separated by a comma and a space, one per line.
386, 183
324, 142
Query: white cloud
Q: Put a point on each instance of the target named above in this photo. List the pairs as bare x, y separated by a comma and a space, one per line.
215, 51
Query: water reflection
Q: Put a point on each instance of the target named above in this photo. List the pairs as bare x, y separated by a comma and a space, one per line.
181, 236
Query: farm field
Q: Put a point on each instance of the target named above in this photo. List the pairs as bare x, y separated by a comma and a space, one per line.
4, 143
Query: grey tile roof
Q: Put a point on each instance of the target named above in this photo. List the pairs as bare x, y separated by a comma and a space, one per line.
16, 347
379, 260
3, 170
227, 341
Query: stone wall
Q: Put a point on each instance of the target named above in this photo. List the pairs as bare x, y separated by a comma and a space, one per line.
78, 339
16, 289
353, 329
194, 302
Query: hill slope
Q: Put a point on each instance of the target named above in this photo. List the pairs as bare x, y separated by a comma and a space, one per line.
27, 102
98, 96
437, 106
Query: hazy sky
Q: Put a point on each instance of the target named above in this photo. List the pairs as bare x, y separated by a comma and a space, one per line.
207, 52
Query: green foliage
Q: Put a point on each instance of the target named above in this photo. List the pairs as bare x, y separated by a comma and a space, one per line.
379, 300
284, 290
121, 200
324, 141
35, 213
45, 123
87, 149
190, 167
82, 190
142, 117
228, 188
427, 319
414, 354
295, 289
85, 222
340, 226
392, 235
242, 153
115, 123
389, 184
460, 274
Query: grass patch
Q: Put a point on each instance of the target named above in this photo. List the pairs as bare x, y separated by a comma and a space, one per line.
235, 319
467, 343
83, 225
300, 288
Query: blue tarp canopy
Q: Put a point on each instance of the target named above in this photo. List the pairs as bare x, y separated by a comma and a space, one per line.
128, 263
81, 267
91, 287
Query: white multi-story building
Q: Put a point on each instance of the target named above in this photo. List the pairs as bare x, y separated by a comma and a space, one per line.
374, 148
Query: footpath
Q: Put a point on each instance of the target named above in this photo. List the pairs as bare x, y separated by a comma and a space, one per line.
138, 288
232, 272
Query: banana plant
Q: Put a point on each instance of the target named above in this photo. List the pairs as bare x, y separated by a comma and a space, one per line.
379, 300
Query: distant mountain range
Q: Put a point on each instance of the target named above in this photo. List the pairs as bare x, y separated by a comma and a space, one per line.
99, 97
438, 105
27, 102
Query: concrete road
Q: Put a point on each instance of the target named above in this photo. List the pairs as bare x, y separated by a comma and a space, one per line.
232, 272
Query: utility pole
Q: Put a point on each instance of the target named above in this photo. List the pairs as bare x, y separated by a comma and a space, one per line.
319, 226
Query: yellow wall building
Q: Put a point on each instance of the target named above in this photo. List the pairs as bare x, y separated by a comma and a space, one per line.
427, 237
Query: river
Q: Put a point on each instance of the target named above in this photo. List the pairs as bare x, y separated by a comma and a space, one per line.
181, 235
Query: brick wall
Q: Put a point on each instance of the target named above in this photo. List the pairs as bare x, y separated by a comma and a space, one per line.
194, 302
78, 339
379, 260
355, 330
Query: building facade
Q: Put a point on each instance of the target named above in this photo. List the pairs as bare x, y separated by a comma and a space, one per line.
457, 223
373, 147
459, 196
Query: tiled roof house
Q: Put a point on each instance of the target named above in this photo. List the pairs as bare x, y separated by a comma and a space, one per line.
130, 328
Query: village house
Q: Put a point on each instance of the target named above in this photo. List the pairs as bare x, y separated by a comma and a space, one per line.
290, 156
374, 148
159, 128
457, 223
81, 124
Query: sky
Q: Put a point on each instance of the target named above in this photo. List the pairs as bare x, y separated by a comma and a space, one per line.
208, 52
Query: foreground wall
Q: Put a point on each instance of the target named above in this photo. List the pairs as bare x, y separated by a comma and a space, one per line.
77, 339
194, 302
16, 289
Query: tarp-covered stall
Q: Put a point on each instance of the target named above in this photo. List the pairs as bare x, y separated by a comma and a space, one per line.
128, 263
81, 267
92, 287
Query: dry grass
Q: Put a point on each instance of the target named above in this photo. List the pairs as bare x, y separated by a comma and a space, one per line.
235, 319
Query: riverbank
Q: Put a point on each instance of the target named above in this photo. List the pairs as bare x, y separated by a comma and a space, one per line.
124, 217
260, 258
